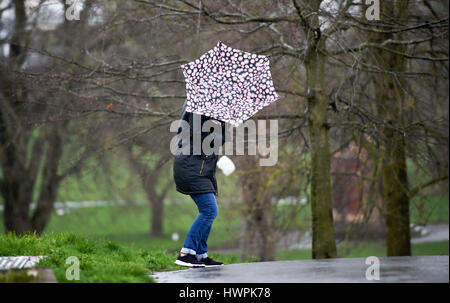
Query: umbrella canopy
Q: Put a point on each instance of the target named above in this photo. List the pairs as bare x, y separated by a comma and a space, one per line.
228, 84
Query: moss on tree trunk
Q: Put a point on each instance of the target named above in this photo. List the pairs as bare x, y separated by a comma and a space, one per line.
323, 237
390, 96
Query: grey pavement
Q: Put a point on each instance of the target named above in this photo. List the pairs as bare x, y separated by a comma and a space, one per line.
419, 269
430, 233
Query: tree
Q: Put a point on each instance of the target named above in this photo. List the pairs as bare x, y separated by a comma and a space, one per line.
390, 100
379, 85
259, 234
31, 149
150, 166
324, 245
390, 54
323, 230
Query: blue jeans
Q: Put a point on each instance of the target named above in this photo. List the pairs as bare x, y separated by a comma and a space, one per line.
195, 242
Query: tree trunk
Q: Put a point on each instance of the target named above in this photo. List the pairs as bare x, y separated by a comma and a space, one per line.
17, 191
157, 208
258, 238
323, 245
323, 236
395, 185
16, 188
150, 177
50, 181
18, 183
390, 98
156, 202
16, 210
394, 172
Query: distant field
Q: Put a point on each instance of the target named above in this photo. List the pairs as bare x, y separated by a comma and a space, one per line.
429, 209
130, 225
370, 249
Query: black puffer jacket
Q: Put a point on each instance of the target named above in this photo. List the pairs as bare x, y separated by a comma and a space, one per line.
195, 174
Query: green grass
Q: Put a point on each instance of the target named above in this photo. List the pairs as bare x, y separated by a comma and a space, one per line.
369, 249
100, 261
431, 248
429, 209
130, 225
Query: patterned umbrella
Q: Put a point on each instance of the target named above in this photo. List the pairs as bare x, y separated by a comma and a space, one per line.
228, 84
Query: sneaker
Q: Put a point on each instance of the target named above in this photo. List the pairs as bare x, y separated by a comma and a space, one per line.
210, 262
189, 261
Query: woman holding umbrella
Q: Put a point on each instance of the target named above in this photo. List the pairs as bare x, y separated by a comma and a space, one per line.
229, 85
194, 175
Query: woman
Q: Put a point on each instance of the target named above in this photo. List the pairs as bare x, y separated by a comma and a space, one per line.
194, 175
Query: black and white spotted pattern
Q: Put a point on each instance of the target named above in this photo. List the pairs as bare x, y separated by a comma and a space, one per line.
228, 84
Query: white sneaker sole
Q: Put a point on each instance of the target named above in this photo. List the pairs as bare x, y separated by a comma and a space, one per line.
185, 264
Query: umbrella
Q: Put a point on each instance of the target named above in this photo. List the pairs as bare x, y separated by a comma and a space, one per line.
228, 84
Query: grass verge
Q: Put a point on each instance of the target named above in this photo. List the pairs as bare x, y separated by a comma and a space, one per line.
100, 260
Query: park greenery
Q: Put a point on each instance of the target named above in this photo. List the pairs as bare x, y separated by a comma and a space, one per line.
115, 245
86, 105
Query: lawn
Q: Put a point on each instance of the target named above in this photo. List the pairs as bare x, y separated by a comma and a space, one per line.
100, 261
130, 225
429, 209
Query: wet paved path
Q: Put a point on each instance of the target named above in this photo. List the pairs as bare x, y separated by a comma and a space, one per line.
350, 270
